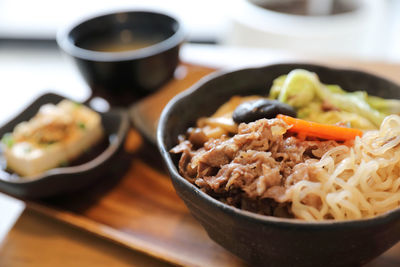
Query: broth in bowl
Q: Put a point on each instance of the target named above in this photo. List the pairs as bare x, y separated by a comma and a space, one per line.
120, 43
124, 55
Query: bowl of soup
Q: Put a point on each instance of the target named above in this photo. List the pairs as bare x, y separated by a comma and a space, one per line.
289, 188
124, 55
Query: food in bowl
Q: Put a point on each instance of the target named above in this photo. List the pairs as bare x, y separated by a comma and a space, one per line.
296, 167
124, 55
56, 135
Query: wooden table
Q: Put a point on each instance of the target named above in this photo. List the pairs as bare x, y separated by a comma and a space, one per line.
37, 240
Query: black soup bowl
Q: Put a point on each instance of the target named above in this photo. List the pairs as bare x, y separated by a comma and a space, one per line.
265, 240
124, 55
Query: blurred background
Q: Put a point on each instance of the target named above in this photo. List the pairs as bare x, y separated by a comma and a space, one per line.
223, 33
357, 28
220, 33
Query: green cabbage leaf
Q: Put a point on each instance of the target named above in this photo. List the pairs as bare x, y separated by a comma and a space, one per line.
331, 104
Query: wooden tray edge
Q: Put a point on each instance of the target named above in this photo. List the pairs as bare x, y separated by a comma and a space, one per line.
107, 233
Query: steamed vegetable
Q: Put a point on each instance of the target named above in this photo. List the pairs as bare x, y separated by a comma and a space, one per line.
325, 131
299, 88
318, 102
387, 106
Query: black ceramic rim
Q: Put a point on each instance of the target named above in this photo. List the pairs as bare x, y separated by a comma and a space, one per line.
64, 40
282, 222
104, 156
345, 15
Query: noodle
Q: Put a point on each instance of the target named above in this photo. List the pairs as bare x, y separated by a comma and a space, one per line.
355, 180
353, 183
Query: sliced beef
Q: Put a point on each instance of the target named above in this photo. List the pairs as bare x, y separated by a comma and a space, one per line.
255, 166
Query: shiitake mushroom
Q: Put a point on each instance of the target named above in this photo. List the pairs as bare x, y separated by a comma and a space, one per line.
263, 108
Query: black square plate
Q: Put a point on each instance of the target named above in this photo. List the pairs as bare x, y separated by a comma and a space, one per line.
65, 179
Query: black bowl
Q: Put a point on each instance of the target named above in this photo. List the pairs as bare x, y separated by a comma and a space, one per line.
66, 179
265, 240
123, 76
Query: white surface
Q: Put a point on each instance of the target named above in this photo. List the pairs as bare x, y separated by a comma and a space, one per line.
206, 19
231, 56
27, 73
391, 51
10, 209
42, 18
349, 34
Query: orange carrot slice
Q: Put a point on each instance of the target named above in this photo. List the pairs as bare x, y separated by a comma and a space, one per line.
325, 131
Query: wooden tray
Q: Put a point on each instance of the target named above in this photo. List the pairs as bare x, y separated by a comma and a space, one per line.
135, 204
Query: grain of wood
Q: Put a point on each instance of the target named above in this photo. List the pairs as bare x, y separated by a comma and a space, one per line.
37, 240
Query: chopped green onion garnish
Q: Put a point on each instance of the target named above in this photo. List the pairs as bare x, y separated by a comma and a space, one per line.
77, 104
8, 140
81, 125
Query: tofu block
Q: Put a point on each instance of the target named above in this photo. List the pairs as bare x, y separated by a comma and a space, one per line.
56, 135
